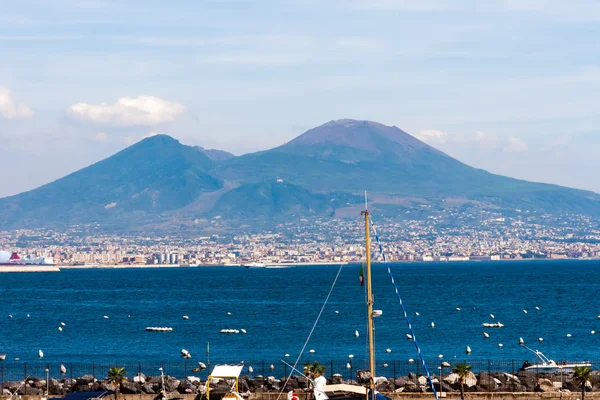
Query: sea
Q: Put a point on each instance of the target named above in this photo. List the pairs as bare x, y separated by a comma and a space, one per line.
302, 313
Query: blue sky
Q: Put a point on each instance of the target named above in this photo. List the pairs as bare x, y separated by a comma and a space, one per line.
509, 86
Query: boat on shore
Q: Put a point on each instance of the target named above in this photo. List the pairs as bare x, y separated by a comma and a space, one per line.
255, 265
545, 364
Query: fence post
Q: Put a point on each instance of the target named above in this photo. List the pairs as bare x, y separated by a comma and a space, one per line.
489, 376
512, 373
394, 383
2, 378
25, 377
263, 368
331, 371
71, 373
93, 372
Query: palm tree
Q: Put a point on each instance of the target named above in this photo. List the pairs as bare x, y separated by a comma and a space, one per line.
463, 371
310, 370
582, 375
116, 376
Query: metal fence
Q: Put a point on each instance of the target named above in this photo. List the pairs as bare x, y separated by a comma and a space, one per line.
391, 369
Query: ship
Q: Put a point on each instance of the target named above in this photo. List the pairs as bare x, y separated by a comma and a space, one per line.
16, 260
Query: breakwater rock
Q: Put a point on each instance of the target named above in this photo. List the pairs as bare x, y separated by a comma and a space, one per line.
412, 383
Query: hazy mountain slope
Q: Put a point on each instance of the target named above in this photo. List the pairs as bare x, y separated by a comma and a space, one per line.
152, 176
214, 154
274, 198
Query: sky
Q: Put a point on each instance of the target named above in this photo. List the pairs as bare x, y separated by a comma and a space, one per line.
510, 86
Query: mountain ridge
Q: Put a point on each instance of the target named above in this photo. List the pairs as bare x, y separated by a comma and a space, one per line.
158, 178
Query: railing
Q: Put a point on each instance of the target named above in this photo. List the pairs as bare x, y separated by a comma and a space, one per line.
22, 371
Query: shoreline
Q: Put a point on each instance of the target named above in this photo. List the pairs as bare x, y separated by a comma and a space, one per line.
59, 267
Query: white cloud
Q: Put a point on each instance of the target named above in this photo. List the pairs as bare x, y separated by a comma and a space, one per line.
10, 109
485, 140
128, 111
515, 145
432, 136
101, 137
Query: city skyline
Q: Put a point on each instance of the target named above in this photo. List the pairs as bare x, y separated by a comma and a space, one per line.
510, 87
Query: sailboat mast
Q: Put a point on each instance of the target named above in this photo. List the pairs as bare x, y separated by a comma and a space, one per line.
370, 304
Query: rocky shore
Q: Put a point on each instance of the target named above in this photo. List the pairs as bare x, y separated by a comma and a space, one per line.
141, 384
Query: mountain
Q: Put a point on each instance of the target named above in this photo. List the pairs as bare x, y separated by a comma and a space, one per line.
351, 156
215, 155
323, 171
155, 175
276, 198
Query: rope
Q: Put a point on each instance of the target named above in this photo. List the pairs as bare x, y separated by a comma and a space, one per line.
312, 329
414, 337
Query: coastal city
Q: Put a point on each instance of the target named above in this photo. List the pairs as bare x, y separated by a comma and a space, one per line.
445, 235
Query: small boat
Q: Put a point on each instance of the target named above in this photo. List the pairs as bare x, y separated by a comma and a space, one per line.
547, 365
255, 265
159, 328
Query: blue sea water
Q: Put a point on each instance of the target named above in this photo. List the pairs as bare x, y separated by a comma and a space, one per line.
277, 307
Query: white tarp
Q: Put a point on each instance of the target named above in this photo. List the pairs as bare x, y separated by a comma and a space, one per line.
226, 371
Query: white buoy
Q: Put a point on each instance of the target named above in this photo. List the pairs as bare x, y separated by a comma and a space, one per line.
243, 330
286, 355
441, 356
524, 311
538, 309
385, 365
40, 354
410, 360
337, 312
28, 315
492, 316
568, 335
250, 369
541, 339
457, 308
63, 369
63, 324
356, 334
417, 314
186, 317
106, 317
350, 356
228, 313
486, 335
311, 350
593, 332
60, 328
409, 336
521, 341
388, 350
10, 316
271, 367
468, 350
348, 366
432, 325
500, 345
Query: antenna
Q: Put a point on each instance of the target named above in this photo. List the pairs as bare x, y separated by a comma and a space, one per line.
366, 202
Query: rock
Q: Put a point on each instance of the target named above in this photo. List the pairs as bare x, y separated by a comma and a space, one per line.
88, 378
411, 387
139, 379
147, 388
486, 382
412, 376
422, 380
337, 379
130, 388
544, 385
470, 380
451, 379
399, 382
